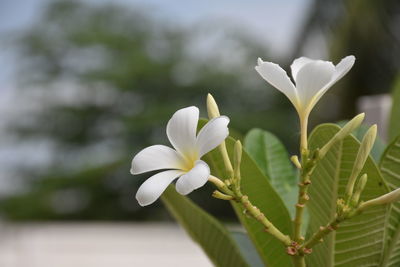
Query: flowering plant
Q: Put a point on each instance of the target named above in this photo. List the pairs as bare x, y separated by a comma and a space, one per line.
345, 213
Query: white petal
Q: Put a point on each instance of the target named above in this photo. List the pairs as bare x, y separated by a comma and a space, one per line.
156, 157
212, 134
195, 178
312, 78
298, 64
153, 187
278, 78
181, 129
341, 69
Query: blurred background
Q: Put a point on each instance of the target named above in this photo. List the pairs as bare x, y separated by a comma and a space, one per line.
84, 85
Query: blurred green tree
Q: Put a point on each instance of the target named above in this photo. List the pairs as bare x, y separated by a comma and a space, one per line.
108, 79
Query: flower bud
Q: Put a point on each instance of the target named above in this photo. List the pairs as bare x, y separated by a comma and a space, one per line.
296, 162
343, 133
213, 112
340, 206
216, 181
218, 194
359, 188
362, 155
212, 107
385, 199
237, 158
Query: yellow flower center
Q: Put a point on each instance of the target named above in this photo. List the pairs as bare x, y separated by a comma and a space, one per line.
189, 160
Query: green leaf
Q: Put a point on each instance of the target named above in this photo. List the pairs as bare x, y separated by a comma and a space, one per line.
379, 145
204, 229
272, 158
247, 248
358, 241
394, 122
256, 185
390, 169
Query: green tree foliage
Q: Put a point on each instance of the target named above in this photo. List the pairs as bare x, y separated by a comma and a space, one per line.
108, 79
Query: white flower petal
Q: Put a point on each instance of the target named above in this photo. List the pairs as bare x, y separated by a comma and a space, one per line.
298, 64
212, 134
153, 187
311, 78
341, 69
181, 129
195, 178
278, 78
156, 157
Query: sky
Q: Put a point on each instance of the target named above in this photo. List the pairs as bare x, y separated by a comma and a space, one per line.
273, 21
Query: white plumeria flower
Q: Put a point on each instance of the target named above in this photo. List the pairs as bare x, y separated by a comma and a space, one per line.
183, 161
312, 78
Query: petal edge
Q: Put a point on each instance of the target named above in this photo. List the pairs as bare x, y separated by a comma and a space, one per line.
181, 128
156, 157
297, 64
195, 178
212, 134
154, 186
277, 77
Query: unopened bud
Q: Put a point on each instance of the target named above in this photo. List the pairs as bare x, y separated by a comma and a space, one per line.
359, 188
385, 199
343, 133
340, 206
237, 158
216, 181
296, 162
212, 107
219, 195
362, 155
346, 212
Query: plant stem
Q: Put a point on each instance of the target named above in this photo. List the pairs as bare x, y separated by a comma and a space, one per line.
303, 134
251, 210
301, 202
299, 261
318, 236
304, 181
322, 232
244, 200
259, 216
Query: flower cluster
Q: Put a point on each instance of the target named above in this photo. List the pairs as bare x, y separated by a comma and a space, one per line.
312, 79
